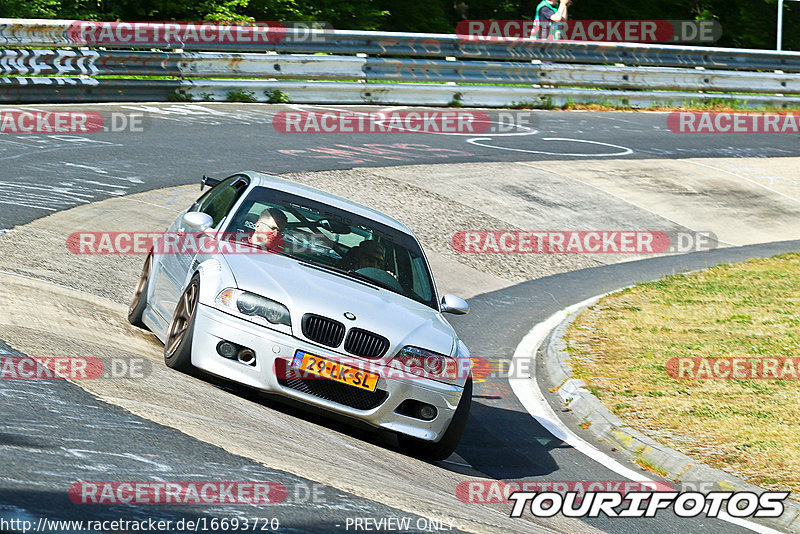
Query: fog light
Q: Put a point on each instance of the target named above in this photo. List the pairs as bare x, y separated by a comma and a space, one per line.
427, 412
226, 349
417, 410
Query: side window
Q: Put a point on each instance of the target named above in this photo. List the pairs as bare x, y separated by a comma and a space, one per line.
421, 285
218, 201
209, 195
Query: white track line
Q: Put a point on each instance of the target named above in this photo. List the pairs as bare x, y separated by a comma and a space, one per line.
527, 391
533, 399
27, 205
624, 150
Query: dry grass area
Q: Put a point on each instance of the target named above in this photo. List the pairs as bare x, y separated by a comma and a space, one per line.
748, 427
718, 105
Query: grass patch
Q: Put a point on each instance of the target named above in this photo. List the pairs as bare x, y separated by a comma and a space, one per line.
541, 103
646, 464
179, 96
241, 95
749, 427
714, 104
276, 96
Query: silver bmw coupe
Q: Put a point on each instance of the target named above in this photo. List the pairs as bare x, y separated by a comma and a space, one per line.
297, 292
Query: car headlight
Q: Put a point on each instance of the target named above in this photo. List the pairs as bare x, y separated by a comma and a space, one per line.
428, 364
255, 307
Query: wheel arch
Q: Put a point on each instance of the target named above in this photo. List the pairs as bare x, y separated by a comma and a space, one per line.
215, 275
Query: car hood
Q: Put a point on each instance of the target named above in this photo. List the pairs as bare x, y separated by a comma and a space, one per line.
305, 289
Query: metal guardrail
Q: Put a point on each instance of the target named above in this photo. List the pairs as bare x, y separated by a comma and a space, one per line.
657, 69
35, 90
60, 62
61, 33
624, 77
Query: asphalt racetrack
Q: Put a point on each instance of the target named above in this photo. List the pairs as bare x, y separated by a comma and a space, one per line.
557, 170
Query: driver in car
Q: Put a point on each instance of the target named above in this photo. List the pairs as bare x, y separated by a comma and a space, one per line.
371, 254
268, 228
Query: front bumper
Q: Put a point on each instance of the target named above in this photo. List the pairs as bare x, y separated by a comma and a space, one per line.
213, 326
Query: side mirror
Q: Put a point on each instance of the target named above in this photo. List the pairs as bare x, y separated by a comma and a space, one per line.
455, 305
198, 221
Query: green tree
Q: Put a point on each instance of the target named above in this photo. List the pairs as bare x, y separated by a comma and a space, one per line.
436, 16
745, 23
30, 9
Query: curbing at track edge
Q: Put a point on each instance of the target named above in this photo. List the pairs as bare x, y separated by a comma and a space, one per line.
605, 426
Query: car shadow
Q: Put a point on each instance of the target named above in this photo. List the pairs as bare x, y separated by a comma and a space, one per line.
491, 441
302, 411
506, 444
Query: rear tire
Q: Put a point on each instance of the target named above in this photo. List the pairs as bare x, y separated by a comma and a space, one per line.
137, 307
442, 449
178, 347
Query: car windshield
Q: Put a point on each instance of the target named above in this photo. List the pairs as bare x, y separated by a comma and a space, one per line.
340, 241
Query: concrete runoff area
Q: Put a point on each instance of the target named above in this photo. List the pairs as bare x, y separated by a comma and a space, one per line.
437, 201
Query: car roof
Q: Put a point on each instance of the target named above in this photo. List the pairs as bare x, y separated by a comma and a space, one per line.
289, 186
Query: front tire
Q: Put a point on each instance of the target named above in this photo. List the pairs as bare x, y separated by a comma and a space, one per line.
137, 307
178, 348
442, 449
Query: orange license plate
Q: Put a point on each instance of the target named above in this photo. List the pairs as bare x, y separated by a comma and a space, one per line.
336, 371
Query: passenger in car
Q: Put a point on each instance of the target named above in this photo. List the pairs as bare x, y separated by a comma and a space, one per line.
271, 223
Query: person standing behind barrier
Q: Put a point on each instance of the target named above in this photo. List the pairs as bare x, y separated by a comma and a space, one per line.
550, 14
